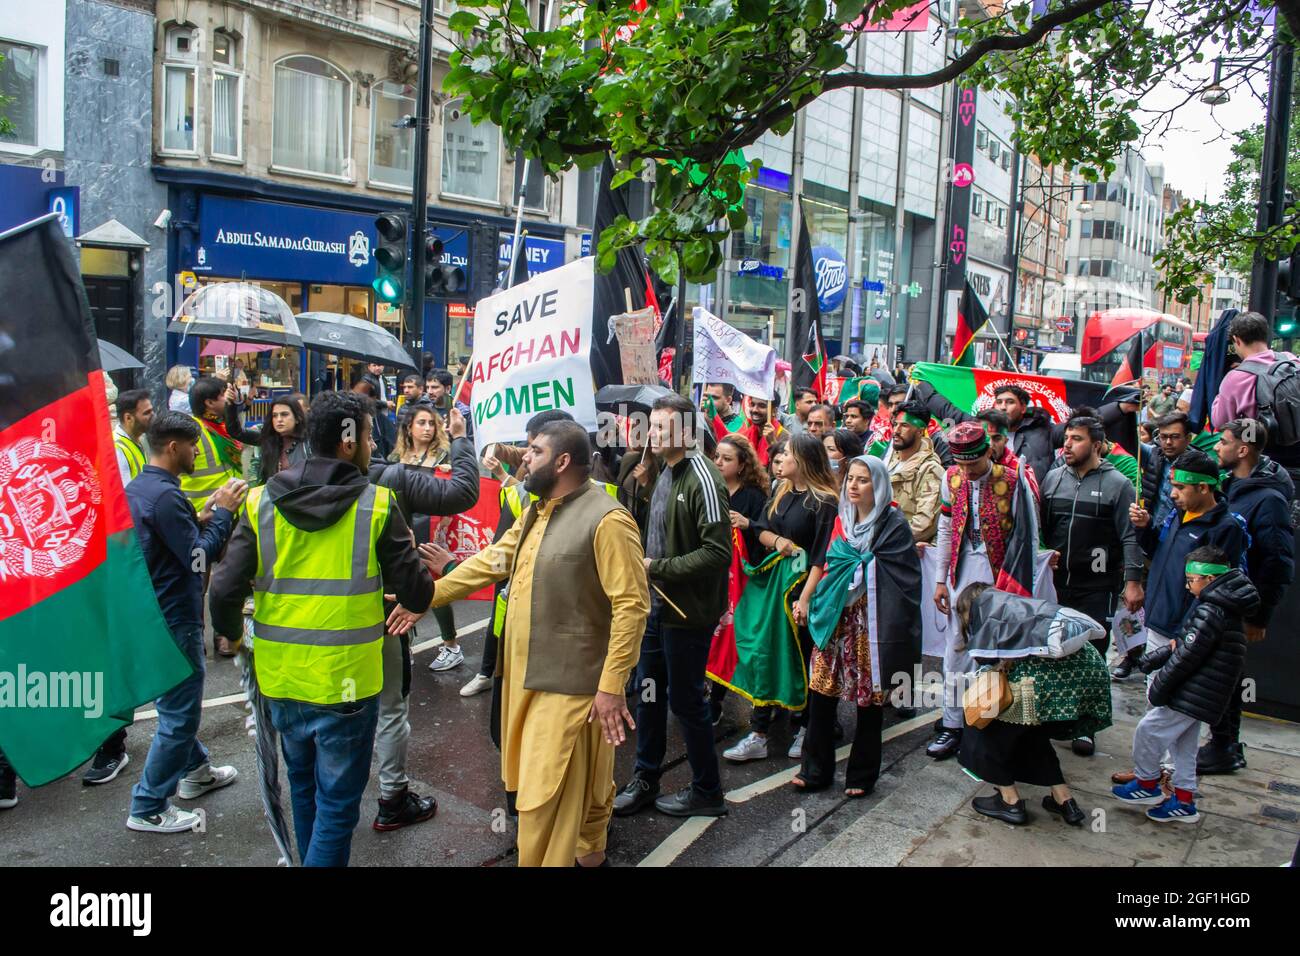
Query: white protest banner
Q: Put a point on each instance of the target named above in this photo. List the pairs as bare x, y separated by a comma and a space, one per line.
725, 354
532, 347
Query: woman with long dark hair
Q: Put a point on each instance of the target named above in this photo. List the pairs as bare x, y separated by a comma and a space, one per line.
280, 439
842, 445
796, 522
747, 486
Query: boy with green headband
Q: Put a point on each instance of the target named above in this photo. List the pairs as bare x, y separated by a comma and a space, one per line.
1193, 679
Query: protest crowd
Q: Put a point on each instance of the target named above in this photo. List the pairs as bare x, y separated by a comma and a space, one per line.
800, 546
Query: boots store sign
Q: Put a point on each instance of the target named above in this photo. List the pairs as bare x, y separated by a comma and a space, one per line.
271, 240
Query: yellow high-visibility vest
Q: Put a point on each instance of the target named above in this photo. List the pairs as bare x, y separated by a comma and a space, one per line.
132, 452
318, 604
210, 472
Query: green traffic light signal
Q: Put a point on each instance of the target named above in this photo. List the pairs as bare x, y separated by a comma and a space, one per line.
388, 288
1286, 325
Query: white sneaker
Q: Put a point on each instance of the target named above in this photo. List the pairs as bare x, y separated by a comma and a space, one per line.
171, 820
204, 779
752, 747
796, 749
448, 657
476, 686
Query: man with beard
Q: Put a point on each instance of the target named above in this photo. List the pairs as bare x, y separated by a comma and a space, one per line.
915, 472
577, 609
821, 421
1085, 520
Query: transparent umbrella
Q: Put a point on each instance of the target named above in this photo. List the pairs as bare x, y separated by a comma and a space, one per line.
237, 312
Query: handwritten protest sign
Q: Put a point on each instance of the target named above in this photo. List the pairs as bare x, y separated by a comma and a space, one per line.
725, 354
532, 347
635, 332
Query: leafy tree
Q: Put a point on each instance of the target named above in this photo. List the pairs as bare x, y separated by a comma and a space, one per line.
6, 126
677, 87
1201, 235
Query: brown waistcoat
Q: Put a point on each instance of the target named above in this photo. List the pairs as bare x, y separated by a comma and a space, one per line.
570, 615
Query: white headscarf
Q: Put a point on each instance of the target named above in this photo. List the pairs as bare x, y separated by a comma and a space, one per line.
858, 533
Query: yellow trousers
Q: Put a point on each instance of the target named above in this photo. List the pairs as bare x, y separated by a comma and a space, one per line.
574, 822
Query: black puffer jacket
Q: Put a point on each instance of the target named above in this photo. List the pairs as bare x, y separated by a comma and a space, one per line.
1154, 468
1200, 676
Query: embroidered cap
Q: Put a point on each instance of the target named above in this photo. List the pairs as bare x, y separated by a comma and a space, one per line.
968, 441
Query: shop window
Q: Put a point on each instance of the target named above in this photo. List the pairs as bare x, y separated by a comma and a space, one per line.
19, 90
312, 117
392, 149
976, 205
227, 96
471, 156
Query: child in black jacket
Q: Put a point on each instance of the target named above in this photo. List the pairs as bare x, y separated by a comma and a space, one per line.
1194, 678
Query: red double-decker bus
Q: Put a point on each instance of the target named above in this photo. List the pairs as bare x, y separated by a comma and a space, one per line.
1166, 343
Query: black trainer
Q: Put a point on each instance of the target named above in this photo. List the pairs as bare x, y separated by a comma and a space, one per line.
994, 806
639, 793
1083, 746
1068, 811
1214, 758
403, 810
105, 767
689, 802
1124, 669
8, 789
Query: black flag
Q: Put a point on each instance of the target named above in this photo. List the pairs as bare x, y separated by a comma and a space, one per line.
806, 349
609, 298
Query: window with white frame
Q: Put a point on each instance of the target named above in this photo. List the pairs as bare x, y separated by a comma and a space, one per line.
312, 117
471, 156
20, 85
392, 149
227, 95
180, 83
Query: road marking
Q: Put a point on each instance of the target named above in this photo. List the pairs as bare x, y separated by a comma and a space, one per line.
680, 839
239, 698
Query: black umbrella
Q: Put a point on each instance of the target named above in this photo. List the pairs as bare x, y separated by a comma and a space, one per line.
339, 334
630, 397
237, 312
114, 359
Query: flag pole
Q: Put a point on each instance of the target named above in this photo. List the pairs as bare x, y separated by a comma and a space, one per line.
998, 335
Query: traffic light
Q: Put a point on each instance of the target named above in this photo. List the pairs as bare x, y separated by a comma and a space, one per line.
392, 229
485, 259
1284, 323
1288, 276
441, 279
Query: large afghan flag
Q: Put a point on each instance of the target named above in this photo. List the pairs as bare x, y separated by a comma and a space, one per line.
82, 642
972, 390
768, 667
971, 317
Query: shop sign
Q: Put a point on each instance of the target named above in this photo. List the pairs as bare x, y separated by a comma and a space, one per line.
832, 275
541, 255
272, 240
757, 267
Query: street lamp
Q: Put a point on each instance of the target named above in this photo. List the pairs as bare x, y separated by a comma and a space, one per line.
1216, 94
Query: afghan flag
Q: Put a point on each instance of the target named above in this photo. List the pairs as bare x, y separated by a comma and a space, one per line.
82, 642
972, 390
971, 317
1130, 369
769, 668
228, 450
807, 328
1017, 574
723, 659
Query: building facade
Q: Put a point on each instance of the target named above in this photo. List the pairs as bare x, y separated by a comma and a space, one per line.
1114, 230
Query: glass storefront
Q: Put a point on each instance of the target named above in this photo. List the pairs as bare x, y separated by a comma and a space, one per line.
759, 270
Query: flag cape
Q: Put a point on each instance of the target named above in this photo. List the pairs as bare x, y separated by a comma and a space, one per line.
769, 668
1017, 574
82, 641
721, 666
971, 317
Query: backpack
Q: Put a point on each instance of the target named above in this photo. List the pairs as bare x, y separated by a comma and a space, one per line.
1277, 398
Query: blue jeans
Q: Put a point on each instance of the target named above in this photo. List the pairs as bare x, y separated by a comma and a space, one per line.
175, 749
674, 659
327, 752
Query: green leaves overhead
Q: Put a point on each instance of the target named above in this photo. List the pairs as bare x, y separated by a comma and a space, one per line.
684, 83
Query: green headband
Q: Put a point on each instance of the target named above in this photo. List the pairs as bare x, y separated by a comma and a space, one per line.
1193, 478
997, 429
1200, 567
916, 421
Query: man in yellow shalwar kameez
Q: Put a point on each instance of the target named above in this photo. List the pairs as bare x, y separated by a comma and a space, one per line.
578, 603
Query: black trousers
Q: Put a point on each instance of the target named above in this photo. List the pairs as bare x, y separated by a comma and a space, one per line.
1005, 754
1098, 604
1226, 732
819, 745
762, 718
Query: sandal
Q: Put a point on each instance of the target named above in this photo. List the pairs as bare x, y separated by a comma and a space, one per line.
803, 786
857, 793
222, 647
